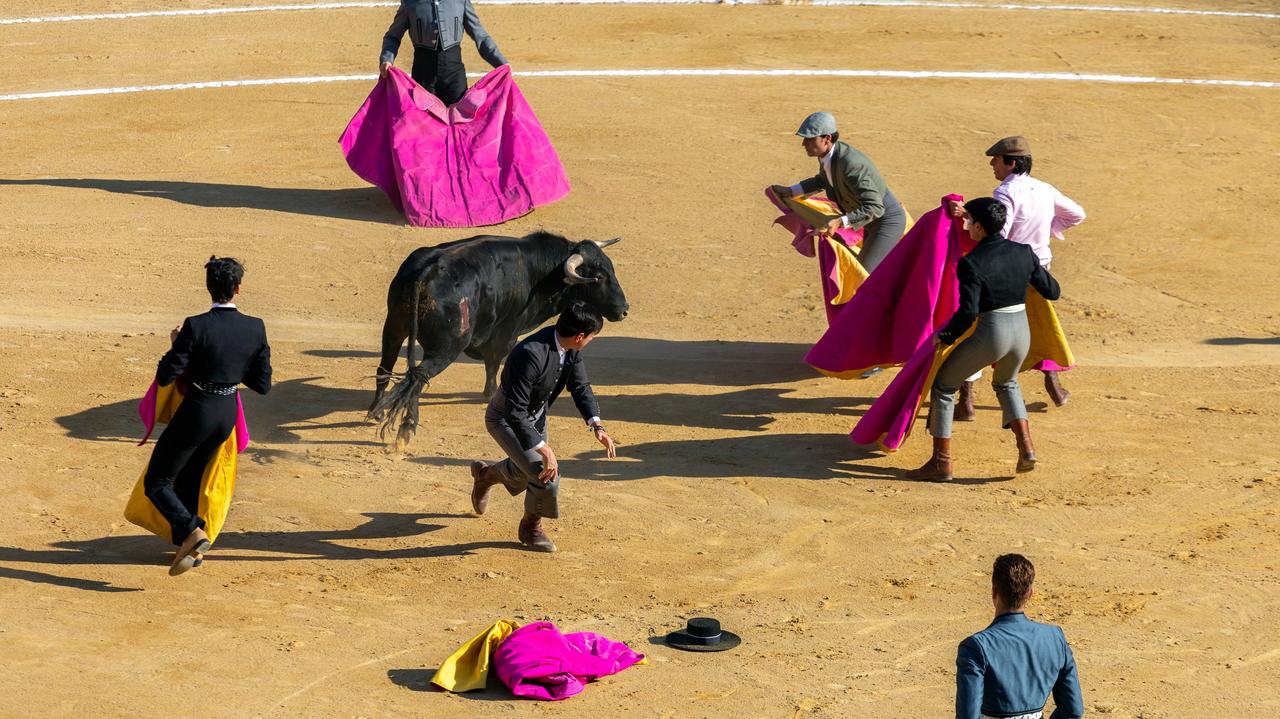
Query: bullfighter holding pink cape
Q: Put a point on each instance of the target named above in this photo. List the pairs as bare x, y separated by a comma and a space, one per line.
481, 161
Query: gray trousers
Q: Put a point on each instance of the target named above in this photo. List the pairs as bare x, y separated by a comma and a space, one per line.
519, 471
882, 235
1003, 339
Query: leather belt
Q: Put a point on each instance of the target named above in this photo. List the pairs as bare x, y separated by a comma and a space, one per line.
212, 388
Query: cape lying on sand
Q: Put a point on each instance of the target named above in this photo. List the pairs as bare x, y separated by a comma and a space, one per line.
535, 661
482, 161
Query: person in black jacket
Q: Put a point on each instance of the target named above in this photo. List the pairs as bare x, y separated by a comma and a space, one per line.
539, 368
993, 286
212, 353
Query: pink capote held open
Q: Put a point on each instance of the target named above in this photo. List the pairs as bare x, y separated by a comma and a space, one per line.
910, 295
482, 161
539, 662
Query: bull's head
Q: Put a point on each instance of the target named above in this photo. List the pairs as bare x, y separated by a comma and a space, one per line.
591, 271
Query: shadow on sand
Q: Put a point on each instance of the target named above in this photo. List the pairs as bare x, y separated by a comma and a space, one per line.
1237, 341
419, 680
615, 360
283, 416
366, 204
307, 544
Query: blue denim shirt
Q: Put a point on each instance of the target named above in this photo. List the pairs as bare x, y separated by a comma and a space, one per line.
1010, 667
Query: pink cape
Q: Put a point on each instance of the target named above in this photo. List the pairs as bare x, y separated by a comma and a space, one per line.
480, 162
889, 420
828, 264
539, 662
911, 294
147, 412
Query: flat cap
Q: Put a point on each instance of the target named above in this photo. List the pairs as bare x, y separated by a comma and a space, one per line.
1012, 146
819, 123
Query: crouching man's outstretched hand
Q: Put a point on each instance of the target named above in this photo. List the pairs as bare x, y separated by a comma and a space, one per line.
604, 439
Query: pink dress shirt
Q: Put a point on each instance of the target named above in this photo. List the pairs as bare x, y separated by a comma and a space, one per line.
1037, 211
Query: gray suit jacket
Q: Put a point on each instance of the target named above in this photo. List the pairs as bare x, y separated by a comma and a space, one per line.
419, 17
859, 189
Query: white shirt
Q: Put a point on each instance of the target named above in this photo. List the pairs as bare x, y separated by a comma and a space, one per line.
825, 161
218, 305
560, 349
1037, 211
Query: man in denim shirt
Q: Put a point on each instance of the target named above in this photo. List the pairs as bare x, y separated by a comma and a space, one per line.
1008, 670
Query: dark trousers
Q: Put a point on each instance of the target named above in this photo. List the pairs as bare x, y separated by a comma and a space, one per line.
440, 72
519, 471
201, 424
882, 235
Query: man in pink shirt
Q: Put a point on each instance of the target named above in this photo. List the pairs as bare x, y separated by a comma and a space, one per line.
1037, 212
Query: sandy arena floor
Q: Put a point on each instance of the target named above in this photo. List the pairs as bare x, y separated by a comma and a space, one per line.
347, 573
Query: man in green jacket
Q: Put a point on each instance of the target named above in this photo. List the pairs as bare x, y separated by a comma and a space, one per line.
850, 180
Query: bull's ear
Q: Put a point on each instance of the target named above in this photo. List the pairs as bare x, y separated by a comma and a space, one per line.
606, 243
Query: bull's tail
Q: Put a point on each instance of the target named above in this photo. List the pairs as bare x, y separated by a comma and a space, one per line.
397, 411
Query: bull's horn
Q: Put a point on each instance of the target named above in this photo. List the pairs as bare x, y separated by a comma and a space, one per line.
571, 275
606, 243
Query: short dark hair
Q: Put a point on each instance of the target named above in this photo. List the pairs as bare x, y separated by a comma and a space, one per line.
1021, 163
988, 212
835, 137
1012, 577
222, 275
579, 319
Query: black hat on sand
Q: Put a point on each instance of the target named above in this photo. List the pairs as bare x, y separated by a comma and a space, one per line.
703, 634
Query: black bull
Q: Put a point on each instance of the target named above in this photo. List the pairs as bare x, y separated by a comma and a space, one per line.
478, 296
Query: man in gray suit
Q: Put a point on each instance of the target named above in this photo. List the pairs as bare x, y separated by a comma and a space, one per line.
436, 27
543, 365
851, 181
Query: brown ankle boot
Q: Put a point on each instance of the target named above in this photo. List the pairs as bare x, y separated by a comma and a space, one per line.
532, 536
938, 468
1026, 453
1057, 392
964, 404
482, 480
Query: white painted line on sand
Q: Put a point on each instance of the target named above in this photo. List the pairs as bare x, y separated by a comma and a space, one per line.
185, 86
688, 72
919, 4
194, 12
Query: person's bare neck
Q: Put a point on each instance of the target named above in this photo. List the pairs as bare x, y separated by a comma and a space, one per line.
1002, 609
